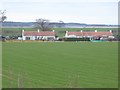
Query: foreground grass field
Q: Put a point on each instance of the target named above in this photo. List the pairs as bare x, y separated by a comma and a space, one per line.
60, 64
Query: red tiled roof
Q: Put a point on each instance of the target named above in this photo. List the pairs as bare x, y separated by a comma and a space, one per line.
41, 33
100, 33
75, 33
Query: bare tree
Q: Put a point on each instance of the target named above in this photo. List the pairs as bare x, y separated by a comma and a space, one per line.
2, 18
2, 15
42, 24
61, 24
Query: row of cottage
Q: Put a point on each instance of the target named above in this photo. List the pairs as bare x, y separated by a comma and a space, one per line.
51, 35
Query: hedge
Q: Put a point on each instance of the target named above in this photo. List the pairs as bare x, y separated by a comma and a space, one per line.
76, 39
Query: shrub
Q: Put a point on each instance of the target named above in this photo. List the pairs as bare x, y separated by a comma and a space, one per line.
76, 39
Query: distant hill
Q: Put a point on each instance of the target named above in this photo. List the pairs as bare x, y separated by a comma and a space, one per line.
54, 25
18, 24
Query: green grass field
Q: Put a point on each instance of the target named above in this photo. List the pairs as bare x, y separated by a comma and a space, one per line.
60, 64
69, 29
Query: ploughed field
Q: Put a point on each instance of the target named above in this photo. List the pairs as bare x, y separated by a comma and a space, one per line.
60, 64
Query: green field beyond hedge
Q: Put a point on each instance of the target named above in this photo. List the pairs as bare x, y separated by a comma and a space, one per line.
60, 64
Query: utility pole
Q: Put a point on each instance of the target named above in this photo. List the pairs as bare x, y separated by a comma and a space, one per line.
2, 13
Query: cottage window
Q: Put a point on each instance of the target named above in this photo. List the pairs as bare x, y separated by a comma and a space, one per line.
27, 38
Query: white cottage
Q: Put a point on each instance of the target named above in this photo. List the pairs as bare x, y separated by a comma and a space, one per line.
38, 35
90, 34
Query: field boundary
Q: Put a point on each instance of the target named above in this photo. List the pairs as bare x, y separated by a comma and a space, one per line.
27, 41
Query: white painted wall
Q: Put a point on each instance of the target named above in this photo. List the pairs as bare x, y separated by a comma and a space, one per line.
46, 37
23, 37
71, 36
31, 37
40, 37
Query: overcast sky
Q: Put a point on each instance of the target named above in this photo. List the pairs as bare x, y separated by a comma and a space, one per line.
81, 11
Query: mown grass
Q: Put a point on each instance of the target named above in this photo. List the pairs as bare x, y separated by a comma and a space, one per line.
60, 64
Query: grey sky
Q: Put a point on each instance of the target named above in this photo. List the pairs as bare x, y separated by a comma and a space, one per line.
82, 11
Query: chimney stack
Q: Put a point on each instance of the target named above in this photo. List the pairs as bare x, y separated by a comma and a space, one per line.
23, 30
110, 30
38, 30
22, 33
95, 30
